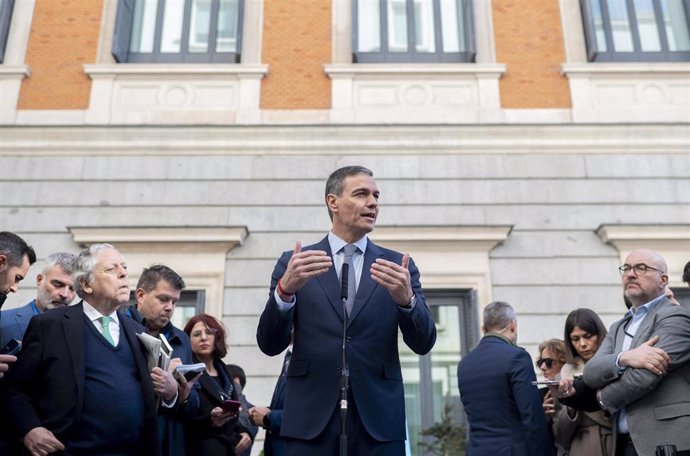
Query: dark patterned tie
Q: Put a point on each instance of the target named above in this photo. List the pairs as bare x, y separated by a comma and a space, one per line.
349, 251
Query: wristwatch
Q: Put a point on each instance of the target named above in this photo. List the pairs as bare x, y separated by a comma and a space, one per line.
413, 301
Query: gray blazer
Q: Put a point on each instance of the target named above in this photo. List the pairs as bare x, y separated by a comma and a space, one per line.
658, 407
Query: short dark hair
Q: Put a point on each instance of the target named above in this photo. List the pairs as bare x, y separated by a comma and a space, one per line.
220, 347
334, 184
153, 274
588, 321
236, 371
15, 248
686, 273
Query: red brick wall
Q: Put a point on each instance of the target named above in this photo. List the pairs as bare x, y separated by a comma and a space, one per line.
64, 36
296, 44
529, 39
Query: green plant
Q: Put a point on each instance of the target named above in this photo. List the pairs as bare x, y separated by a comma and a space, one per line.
447, 437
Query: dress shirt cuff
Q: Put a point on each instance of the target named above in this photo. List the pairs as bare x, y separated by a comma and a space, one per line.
621, 369
408, 309
170, 403
283, 307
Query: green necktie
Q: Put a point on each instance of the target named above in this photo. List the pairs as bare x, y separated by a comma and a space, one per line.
105, 330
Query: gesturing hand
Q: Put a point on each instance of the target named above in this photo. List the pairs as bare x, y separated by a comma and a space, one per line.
395, 278
302, 267
647, 356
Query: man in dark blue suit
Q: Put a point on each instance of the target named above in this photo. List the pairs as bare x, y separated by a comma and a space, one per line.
271, 417
495, 380
306, 294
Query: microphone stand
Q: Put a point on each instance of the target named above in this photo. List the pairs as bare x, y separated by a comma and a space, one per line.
344, 375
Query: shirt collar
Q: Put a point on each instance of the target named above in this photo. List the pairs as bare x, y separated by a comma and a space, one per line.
645, 309
499, 336
93, 314
336, 243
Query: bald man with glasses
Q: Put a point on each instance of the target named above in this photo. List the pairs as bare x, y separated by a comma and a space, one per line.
642, 369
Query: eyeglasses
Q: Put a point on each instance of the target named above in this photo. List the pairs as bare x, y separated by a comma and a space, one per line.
640, 268
548, 361
210, 332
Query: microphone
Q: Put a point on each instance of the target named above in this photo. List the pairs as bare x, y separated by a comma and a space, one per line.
344, 281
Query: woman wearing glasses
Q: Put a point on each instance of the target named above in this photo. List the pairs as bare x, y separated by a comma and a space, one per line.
551, 361
215, 432
583, 433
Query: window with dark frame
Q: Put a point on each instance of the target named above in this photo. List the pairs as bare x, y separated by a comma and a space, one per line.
178, 31
431, 380
6, 7
413, 31
636, 30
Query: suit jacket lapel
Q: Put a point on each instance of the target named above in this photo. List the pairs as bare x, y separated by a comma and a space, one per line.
329, 281
73, 328
210, 386
620, 332
366, 284
649, 321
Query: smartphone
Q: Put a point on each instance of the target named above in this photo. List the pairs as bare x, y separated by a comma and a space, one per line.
11, 348
191, 375
546, 382
231, 406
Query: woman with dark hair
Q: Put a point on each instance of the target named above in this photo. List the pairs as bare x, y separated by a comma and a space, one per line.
686, 273
583, 433
214, 433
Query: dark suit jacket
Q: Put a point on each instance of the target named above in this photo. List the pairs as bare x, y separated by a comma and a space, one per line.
46, 385
13, 323
503, 407
313, 383
273, 445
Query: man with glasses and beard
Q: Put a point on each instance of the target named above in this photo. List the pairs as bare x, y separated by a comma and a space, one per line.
641, 369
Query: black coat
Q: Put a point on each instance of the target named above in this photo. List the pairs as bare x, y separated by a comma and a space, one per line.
45, 387
202, 438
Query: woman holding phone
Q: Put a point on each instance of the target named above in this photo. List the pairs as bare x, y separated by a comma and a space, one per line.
583, 433
216, 432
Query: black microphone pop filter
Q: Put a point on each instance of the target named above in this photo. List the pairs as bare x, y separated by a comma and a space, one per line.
344, 281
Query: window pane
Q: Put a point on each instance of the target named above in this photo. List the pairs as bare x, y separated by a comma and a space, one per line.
397, 26
143, 26
676, 25
228, 26
646, 26
598, 26
451, 26
368, 26
443, 365
173, 14
424, 26
199, 26
620, 26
